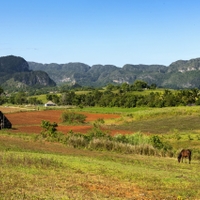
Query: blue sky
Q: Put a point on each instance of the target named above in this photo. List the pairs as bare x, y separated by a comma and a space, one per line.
103, 32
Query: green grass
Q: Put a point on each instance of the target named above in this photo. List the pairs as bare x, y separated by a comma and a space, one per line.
112, 110
61, 172
147, 92
41, 97
164, 125
145, 112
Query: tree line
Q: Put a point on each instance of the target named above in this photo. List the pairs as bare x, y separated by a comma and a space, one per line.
128, 99
123, 95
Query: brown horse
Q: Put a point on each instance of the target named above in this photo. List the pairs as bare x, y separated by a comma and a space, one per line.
185, 153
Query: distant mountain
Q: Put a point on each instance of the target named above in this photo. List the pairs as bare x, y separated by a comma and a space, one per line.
179, 74
15, 73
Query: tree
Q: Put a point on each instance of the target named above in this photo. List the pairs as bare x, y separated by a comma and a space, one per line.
125, 87
67, 98
153, 86
1, 91
49, 97
110, 87
20, 98
2, 96
139, 85
34, 101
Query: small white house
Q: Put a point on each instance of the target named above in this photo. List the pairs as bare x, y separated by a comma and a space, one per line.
49, 103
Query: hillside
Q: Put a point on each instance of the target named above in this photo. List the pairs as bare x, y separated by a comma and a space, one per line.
179, 74
15, 73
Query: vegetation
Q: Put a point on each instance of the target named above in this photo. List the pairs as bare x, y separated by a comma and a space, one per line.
138, 94
15, 75
98, 165
19, 75
179, 75
72, 117
97, 139
49, 129
127, 96
54, 165
35, 169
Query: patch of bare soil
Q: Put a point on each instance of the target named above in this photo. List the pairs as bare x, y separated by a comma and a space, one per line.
30, 122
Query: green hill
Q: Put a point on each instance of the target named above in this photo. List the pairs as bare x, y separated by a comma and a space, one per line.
15, 73
179, 74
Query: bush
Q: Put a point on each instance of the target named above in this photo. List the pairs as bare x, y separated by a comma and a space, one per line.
49, 129
50, 132
73, 118
158, 144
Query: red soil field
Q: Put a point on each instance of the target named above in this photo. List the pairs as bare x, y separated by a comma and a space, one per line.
30, 122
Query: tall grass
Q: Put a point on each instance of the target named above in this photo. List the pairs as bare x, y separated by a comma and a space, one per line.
130, 144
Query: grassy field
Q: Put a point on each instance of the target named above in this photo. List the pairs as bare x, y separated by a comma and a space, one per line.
32, 168
41, 97
40, 170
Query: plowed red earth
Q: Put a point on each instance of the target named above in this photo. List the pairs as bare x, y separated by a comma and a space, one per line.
30, 122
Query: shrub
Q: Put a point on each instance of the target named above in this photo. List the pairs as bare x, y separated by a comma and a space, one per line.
49, 129
50, 132
158, 144
72, 118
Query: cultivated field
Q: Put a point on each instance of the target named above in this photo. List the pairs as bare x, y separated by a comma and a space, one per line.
24, 121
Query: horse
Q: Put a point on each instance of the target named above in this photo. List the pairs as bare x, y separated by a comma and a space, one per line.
185, 153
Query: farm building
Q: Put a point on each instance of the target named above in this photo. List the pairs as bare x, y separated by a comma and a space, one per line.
49, 103
4, 122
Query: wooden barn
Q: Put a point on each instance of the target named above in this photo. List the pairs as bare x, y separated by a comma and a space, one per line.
4, 122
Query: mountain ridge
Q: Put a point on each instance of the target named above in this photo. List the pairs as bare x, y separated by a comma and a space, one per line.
15, 74
18, 72
177, 75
